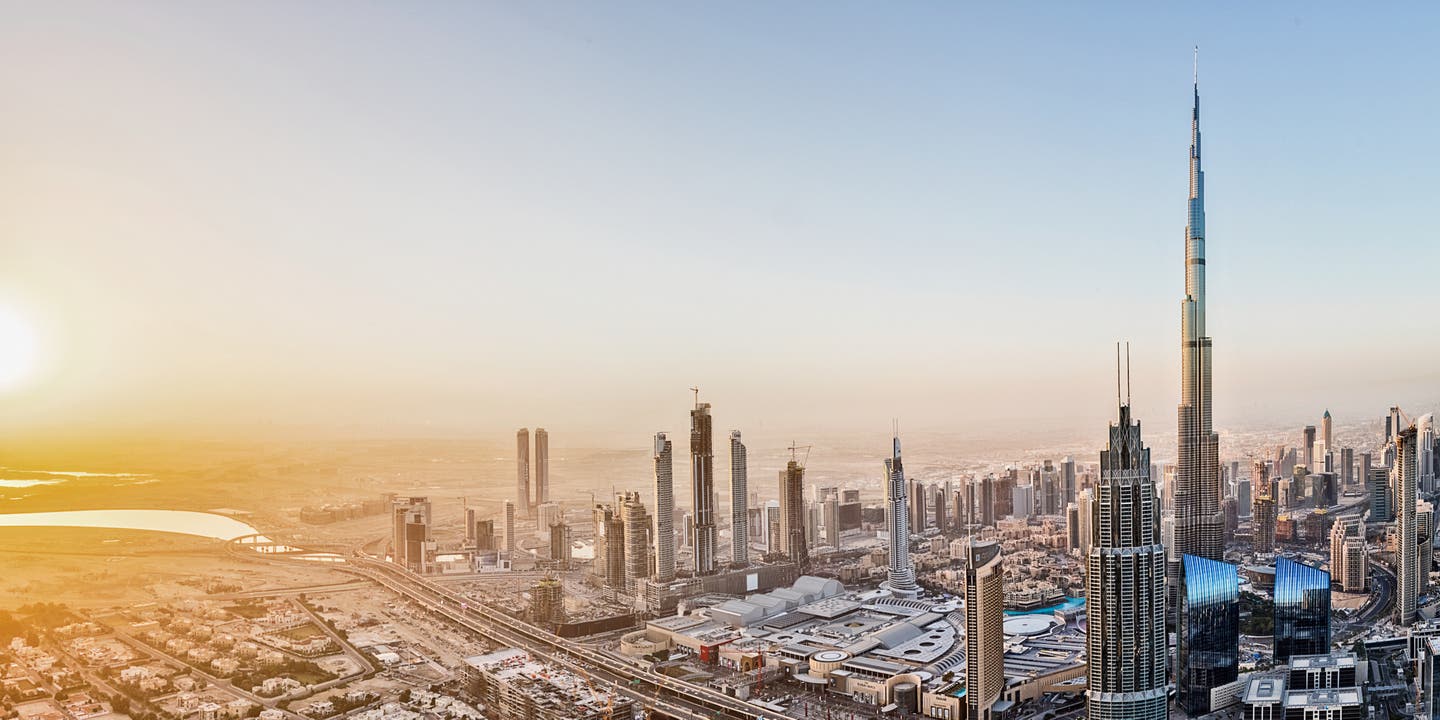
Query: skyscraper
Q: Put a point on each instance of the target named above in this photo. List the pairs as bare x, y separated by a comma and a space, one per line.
1198, 525
509, 527
542, 466
1326, 427
664, 510
1307, 446
1208, 631
902, 574
1302, 610
702, 486
1264, 514
1407, 552
522, 470
1125, 584
1425, 453
739, 511
984, 627
412, 549
637, 540
792, 514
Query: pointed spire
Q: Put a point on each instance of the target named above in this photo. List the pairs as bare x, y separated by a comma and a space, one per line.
1197, 69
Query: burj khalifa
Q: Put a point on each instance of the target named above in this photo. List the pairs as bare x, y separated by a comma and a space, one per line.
1199, 524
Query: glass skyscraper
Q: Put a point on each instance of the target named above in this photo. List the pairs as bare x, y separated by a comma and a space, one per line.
1302, 610
1208, 632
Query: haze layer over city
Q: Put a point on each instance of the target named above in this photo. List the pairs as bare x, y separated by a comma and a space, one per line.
746, 361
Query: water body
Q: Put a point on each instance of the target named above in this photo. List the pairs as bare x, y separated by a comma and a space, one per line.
184, 522
1069, 603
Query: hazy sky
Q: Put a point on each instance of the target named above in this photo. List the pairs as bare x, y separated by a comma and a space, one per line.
476, 216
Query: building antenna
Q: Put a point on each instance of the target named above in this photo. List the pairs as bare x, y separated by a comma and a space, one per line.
1197, 66
1127, 372
1117, 374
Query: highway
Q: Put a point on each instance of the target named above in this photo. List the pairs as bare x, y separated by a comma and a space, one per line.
666, 694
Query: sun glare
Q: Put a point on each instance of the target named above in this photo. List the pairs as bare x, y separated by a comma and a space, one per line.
18, 349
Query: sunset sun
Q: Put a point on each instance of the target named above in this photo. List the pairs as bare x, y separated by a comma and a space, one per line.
17, 349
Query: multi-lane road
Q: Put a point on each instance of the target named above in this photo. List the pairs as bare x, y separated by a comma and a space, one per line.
650, 690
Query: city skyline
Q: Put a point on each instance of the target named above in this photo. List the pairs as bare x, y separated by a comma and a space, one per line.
396, 347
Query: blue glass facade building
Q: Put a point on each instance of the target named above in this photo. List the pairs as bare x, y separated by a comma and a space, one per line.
1302, 610
1208, 632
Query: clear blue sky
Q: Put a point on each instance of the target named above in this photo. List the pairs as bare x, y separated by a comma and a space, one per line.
485, 215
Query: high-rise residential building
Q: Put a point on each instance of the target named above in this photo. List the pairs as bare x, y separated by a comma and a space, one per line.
1307, 446
610, 546
1207, 631
542, 466
984, 627
1302, 610
1326, 428
774, 541
485, 534
664, 509
739, 510
1072, 527
792, 514
1244, 497
1086, 503
1349, 563
637, 540
901, 581
1126, 643
1230, 512
522, 470
560, 550
1199, 527
1068, 479
702, 486
941, 494
547, 514
510, 539
1377, 485
1407, 551
1347, 466
1022, 501
411, 545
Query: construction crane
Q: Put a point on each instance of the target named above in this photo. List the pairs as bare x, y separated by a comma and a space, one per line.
794, 449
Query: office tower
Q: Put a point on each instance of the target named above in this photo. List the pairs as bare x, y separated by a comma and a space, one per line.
1207, 631
1264, 514
941, 494
1198, 525
665, 509
1365, 462
1302, 610
1050, 490
1072, 527
637, 540
1068, 479
542, 466
1325, 430
702, 485
984, 627
547, 602
412, 547
1022, 501
831, 519
547, 514
1424, 542
1425, 470
485, 534
522, 470
613, 522
901, 582
999, 494
1086, 501
812, 528
771, 523
1307, 446
739, 515
917, 507
509, 527
1127, 643
1230, 514
1407, 551
792, 514
1243, 497
560, 550
1347, 466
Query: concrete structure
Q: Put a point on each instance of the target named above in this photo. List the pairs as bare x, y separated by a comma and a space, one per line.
411, 545
547, 602
509, 513
664, 509
702, 484
739, 507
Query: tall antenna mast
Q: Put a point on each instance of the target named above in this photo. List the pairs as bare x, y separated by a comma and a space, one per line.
1117, 374
1197, 66
1127, 372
